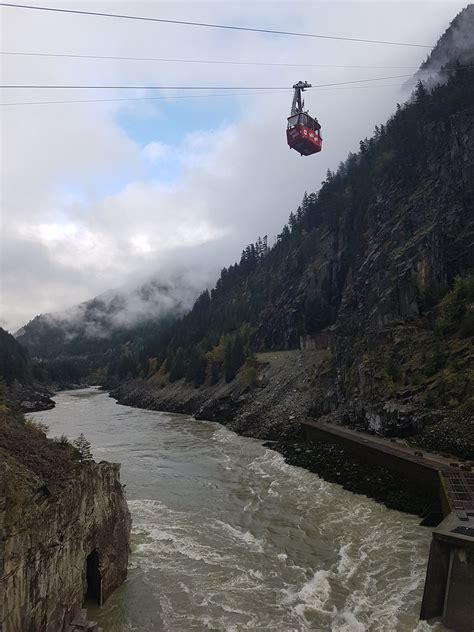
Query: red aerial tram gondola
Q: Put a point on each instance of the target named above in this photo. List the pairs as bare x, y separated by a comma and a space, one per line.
303, 132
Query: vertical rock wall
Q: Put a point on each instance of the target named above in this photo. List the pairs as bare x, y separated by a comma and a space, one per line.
47, 536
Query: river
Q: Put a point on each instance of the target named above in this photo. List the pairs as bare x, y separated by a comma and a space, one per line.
227, 536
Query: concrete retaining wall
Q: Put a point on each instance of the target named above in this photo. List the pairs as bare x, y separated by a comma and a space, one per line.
421, 474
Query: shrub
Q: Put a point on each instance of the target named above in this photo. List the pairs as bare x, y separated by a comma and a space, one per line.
248, 373
435, 360
466, 330
63, 440
456, 306
393, 368
36, 426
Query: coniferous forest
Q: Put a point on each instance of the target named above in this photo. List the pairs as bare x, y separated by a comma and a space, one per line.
222, 330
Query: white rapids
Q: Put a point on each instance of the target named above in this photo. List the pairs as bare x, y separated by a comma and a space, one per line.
227, 536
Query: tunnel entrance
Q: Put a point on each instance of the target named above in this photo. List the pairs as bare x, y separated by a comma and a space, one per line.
94, 578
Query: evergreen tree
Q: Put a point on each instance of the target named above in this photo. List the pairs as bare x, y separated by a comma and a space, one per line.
177, 369
238, 354
229, 372
292, 221
196, 371
285, 233
214, 373
83, 447
234, 356
421, 93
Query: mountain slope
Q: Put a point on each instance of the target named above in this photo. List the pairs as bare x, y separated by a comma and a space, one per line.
369, 288
106, 333
14, 361
455, 45
389, 230
18, 386
372, 280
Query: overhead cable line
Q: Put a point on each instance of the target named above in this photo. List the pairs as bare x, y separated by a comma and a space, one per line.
170, 97
99, 87
201, 61
210, 25
195, 96
118, 87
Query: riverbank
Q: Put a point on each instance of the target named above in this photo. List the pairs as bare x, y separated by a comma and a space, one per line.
272, 411
268, 408
226, 535
29, 398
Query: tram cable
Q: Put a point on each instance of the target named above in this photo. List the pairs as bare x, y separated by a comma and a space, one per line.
152, 87
202, 61
210, 25
195, 96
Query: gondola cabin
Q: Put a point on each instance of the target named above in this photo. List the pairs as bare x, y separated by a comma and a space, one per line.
303, 131
302, 134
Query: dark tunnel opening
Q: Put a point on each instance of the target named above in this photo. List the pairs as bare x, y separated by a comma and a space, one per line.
94, 578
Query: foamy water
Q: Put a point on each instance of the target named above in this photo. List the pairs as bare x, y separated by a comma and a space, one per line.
227, 536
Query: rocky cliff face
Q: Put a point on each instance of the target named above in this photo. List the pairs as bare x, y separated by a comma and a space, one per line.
407, 241
65, 531
373, 281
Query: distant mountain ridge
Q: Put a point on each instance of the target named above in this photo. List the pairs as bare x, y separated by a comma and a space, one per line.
455, 45
101, 332
453, 48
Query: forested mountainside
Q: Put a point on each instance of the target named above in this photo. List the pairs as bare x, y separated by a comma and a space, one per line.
380, 245
19, 386
106, 333
386, 243
14, 360
374, 274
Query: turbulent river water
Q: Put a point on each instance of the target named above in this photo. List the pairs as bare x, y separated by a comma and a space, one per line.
227, 536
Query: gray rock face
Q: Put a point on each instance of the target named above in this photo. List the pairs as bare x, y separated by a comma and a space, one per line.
405, 242
356, 295
48, 535
374, 266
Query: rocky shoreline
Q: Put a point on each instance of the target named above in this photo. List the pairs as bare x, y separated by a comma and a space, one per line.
272, 413
30, 398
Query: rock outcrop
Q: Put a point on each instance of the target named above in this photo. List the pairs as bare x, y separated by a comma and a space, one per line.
30, 398
408, 241
65, 530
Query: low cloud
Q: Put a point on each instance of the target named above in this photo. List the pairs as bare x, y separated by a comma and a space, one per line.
126, 307
97, 196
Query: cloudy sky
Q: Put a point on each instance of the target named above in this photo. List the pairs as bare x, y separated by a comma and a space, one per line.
97, 195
